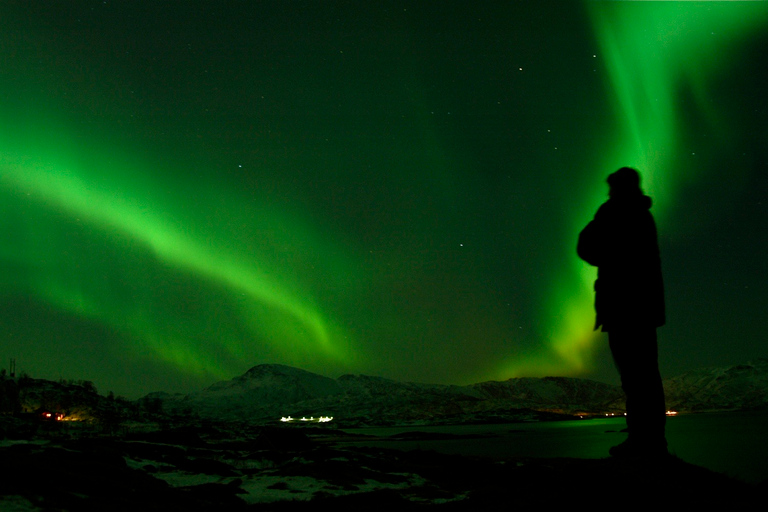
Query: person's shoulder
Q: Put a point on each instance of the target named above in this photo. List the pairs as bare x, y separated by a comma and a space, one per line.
606, 209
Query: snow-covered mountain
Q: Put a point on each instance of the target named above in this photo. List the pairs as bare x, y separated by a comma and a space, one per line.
739, 387
266, 393
269, 392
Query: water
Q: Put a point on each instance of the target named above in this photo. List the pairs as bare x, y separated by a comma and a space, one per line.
731, 443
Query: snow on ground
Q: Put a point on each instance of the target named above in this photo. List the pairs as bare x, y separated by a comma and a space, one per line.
267, 486
271, 488
14, 503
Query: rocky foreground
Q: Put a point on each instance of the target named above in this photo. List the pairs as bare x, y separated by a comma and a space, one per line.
273, 468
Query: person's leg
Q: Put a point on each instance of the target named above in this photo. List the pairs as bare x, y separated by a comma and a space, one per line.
635, 352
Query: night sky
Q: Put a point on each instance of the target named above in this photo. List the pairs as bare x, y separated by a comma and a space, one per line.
191, 188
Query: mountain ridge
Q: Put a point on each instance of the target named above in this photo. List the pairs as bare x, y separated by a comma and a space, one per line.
267, 392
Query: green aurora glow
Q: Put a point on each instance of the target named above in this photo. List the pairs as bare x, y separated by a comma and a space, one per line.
340, 190
656, 54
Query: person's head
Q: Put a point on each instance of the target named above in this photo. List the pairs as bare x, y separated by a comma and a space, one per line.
624, 182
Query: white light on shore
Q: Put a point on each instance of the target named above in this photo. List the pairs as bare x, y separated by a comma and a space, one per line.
311, 419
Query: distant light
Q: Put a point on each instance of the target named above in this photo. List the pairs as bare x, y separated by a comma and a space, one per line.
311, 419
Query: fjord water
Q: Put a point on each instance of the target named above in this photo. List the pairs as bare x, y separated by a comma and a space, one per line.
733, 443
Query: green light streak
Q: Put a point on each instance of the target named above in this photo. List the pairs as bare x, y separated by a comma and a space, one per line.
121, 202
654, 53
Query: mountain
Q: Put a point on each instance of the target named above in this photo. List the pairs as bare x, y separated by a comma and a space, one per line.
261, 392
265, 393
269, 392
552, 391
739, 387
276, 383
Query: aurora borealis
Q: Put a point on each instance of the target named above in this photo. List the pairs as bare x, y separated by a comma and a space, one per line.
189, 189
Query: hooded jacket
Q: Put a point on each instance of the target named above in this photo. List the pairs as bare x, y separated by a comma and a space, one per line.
621, 242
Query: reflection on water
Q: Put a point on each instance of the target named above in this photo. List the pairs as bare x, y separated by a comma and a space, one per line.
730, 443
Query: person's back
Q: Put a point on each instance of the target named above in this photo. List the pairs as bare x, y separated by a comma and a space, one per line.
622, 243
629, 301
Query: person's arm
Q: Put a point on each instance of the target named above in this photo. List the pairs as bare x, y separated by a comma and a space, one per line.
593, 239
589, 247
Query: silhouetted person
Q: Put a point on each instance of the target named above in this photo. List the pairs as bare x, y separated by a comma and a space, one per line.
629, 301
